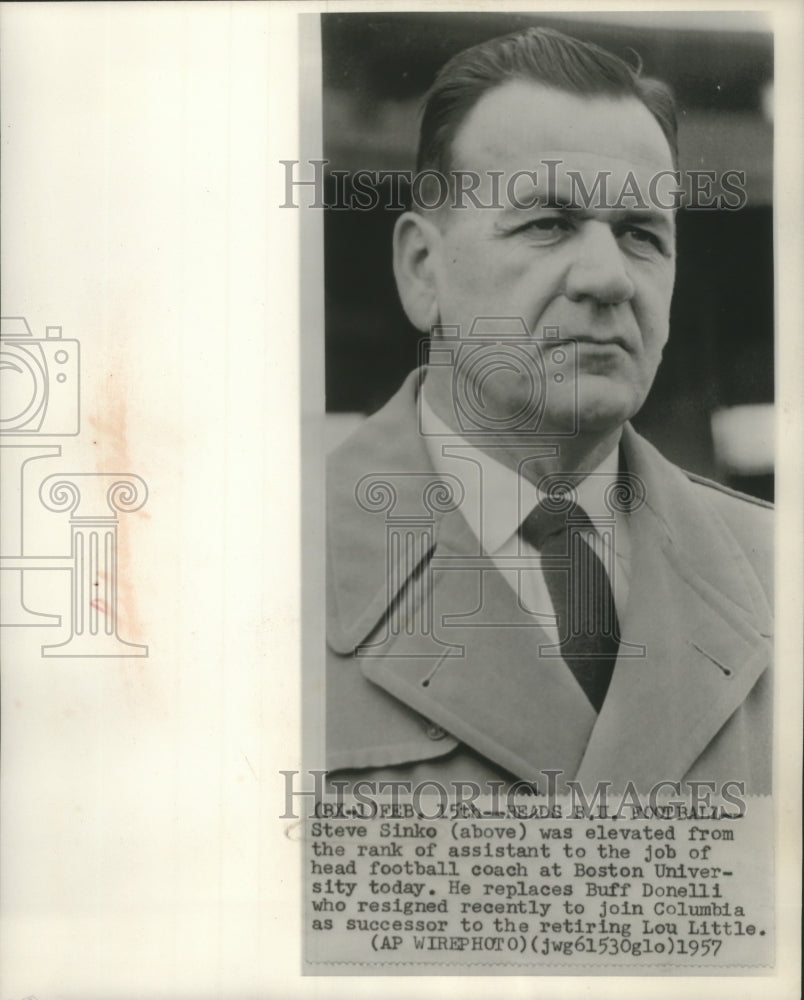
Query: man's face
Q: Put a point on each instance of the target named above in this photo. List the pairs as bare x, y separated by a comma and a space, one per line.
602, 276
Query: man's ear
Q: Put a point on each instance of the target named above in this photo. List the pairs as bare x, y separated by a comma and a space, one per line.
417, 242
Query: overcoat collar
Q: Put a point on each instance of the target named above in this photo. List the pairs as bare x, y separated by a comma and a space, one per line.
695, 634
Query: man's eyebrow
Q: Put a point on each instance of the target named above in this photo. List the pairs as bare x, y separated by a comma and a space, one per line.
641, 216
662, 218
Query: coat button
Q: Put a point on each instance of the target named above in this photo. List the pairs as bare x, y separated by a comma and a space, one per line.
435, 732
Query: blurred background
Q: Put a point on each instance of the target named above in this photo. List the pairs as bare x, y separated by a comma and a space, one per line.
710, 409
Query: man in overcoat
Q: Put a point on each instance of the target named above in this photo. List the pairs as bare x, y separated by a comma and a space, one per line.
517, 581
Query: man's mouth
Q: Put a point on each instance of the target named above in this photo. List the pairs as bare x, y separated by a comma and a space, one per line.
600, 345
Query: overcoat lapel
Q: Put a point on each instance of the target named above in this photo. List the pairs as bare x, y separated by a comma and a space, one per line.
489, 688
378, 481
704, 627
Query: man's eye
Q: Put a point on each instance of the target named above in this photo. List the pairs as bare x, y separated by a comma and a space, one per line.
545, 227
636, 234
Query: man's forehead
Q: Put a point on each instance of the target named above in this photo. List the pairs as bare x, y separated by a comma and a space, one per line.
519, 123
587, 180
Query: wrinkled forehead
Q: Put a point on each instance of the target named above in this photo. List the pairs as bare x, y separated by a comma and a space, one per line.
522, 128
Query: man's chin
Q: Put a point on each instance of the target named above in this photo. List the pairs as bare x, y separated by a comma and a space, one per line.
593, 406
592, 414
602, 418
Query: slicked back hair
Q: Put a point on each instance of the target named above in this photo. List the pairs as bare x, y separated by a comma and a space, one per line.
537, 55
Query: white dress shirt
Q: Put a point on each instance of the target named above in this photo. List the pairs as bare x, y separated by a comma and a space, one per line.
497, 500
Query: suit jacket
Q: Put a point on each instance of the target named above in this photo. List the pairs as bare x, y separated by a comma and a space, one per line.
435, 671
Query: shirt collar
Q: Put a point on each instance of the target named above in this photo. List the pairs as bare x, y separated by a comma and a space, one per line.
497, 499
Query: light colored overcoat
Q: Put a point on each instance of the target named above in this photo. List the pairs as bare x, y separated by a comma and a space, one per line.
435, 672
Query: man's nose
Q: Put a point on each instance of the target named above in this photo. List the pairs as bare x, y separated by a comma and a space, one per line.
598, 268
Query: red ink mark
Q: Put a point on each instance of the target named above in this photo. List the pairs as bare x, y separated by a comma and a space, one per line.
99, 605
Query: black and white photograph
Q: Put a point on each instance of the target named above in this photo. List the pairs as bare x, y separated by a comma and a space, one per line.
546, 332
